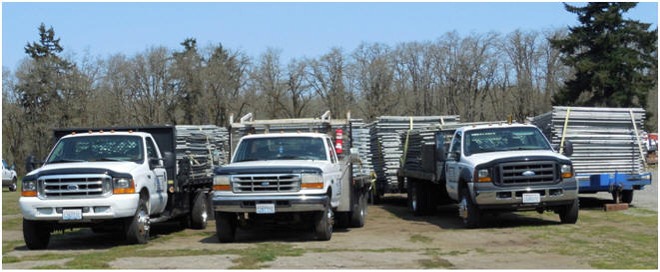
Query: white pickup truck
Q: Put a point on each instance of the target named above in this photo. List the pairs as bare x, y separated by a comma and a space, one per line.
119, 179
487, 168
287, 177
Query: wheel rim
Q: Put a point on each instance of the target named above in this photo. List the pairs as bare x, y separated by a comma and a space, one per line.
143, 222
463, 208
413, 201
205, 214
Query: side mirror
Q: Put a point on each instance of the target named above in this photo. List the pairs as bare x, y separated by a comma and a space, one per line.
169, 159
457, 156
568, 148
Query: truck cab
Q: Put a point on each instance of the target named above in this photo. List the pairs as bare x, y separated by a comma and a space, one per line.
508, 167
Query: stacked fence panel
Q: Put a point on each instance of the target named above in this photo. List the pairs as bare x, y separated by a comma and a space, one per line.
387, 144
604, 139
361, 141
205, 147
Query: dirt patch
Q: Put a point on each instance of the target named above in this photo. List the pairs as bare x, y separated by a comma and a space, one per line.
199, 262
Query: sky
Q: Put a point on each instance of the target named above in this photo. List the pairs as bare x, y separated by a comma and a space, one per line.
297, 30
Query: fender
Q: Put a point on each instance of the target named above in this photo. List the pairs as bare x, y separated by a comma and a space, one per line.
465, 180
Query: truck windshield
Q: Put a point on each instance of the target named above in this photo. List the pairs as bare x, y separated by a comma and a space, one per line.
504, 139
98, 148
280, 148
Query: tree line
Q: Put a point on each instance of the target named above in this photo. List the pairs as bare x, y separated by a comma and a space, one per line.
479, 76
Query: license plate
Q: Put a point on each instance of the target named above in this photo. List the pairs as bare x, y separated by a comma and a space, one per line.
72, 214
531, 198
265, 208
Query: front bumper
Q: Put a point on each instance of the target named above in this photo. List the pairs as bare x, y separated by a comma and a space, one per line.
490, 196
115, 206
285, 203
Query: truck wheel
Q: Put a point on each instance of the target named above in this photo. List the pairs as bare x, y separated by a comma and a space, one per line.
323, 224
225, 226
569, 213
137, 227
35, 234
468, 211
14, 185
359, 212
418, 198
199, 214
627, 196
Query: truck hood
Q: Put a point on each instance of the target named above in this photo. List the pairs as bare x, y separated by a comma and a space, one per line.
274, 166
482, 158
85, 167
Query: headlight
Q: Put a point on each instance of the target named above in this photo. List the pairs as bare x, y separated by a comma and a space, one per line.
566, 171
483, 175
221, 183
312, 181
29, 188
123, 186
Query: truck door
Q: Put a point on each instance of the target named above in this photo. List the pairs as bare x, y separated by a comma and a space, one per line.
157, 180
335, 173
452, 167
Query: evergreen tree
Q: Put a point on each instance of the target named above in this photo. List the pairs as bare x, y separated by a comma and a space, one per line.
612, 57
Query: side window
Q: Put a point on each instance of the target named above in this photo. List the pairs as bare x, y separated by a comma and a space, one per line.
456, 144
333, 156
151, 149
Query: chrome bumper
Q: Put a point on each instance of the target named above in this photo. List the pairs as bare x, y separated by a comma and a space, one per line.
247, 204
490, 196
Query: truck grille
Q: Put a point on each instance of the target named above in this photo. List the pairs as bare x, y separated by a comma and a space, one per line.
72, 186
532, 172
273, 183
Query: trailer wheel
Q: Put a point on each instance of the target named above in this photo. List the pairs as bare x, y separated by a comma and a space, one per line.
199, 215
14, 185
35, 234
469, 211
569, 213
359, 212
225, 226
323, 224
137, 227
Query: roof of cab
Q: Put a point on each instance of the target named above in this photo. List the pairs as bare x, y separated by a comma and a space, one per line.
495, 125
106, 133
287, 134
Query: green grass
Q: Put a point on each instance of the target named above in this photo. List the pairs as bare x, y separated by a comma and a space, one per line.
417, 238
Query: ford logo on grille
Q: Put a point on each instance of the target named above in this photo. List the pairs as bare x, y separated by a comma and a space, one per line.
264, 184
529, 173
72, 187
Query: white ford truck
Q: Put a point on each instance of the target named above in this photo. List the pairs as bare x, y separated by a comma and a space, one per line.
116, 179
487, 168
288, 177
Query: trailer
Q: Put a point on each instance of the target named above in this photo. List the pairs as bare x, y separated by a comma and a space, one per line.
608, 151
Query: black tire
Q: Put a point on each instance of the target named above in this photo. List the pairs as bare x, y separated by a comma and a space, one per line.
36, 234
225, 226
359, 212
14, 185
323, 224
200, 213
627, 196
137, 227
569, 213
419, 198
468, 210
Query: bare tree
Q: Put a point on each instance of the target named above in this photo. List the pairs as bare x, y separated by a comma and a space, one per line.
373, 74
327, 79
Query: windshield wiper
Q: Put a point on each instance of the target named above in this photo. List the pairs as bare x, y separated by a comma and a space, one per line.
66, 160
108, 159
